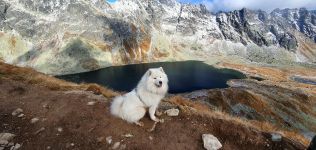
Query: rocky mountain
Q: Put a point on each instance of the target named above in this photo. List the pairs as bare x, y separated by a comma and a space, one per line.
67, 36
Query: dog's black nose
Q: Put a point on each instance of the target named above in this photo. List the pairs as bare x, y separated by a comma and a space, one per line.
160, 82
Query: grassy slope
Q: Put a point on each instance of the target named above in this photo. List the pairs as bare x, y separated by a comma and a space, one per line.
77, 119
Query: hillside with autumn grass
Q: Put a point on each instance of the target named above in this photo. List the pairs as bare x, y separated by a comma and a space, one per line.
58, 114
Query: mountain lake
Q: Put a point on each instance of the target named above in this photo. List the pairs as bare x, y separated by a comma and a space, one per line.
184, 76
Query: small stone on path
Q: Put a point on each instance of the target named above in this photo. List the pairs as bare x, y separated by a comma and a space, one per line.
34, 120
108, 139
172, 112
211, 142
116, 145
17, 111
276, 137
91, 103
128, 135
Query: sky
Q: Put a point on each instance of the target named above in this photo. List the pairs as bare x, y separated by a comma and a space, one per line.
267, 5
111, 1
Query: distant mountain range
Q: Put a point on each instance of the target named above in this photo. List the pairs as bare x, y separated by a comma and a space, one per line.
66, 36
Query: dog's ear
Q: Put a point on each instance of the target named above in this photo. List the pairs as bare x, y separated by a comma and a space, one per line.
149, 72
161, 69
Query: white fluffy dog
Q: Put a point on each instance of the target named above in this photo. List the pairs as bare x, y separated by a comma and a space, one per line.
150, 90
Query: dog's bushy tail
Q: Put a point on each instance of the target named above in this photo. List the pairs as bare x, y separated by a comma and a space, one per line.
116, 106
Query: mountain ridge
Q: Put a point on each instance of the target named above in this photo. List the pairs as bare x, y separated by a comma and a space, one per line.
62, 37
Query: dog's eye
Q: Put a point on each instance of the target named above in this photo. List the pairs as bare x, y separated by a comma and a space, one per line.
155, 78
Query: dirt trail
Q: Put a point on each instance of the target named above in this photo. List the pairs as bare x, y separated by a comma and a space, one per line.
67, 122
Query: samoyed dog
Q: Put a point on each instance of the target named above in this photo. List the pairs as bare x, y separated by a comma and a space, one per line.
132, 106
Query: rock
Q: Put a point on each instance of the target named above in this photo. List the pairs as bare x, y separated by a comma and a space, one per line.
91, 103
46, 106
60, 129
6, 136
39, 130
17, 111
2, 8
48, 147
165, 106
108, 139
211, 142
245, 111
1, 148
276, 137
128, 135
116, 145
11, 144
68, 145
34, 120
235, 32
172, 112
197, 94
3, 142
151, 138
17, 146
21, 115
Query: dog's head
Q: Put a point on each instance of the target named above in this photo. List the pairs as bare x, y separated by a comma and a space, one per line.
157, 80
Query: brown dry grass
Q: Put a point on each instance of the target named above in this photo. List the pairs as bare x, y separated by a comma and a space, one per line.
13, 41
267, 72
30, 76
159, 54
280, 75
190, 107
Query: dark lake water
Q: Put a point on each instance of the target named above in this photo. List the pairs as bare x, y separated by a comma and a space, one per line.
183, 76
304, 80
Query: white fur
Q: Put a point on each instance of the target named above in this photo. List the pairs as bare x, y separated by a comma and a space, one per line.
132, 106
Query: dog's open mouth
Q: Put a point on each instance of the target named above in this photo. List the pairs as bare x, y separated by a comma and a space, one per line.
158, 85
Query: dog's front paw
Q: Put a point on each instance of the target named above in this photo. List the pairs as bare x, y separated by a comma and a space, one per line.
139, 123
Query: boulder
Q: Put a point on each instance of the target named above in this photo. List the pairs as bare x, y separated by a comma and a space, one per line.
6, 136
17, 111
172, 112
211, 142
276, 137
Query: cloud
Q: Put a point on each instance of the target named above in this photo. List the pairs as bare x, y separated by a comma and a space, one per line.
267, 5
